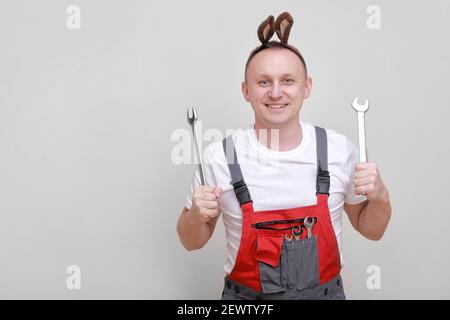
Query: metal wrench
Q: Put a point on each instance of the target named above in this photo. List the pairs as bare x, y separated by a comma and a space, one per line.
288, 237
192, 119
297, 232
361, 110
309, 225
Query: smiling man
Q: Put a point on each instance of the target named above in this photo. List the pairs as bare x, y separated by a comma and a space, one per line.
282, 209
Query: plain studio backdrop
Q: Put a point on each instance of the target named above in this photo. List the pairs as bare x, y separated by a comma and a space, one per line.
87, 118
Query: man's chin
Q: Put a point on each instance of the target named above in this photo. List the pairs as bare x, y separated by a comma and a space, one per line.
274, 123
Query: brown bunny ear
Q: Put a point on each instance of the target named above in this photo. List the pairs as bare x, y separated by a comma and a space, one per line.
266, 29
283, 26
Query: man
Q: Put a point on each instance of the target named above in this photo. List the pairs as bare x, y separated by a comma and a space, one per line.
283, 213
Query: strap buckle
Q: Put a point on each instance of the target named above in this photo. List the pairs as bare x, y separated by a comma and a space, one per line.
241, 191
323, 182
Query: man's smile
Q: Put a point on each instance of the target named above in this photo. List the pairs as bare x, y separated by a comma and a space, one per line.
276, 106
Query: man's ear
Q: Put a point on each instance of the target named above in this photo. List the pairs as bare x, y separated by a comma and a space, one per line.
244, 88
308, 87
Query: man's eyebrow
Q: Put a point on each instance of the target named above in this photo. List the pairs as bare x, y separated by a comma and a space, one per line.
285, 75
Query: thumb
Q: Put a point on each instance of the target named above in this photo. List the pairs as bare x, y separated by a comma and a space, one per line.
217, 191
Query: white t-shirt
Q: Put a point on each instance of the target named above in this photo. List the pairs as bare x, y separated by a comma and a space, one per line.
279, 180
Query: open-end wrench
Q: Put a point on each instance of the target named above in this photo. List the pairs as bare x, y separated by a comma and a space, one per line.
192, 118
288, 237
361, 109
309, 224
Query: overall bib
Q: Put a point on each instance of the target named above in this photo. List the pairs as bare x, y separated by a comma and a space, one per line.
278, 257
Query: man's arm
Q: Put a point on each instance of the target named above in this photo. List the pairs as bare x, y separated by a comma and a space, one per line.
369, 218
372, 216
196, 226
193, 232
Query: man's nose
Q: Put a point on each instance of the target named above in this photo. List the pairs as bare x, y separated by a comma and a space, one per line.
275, 91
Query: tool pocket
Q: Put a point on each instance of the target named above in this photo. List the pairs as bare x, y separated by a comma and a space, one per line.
300, 263
268, 252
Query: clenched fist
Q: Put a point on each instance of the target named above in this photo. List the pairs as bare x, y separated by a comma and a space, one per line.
368, 182
205, 202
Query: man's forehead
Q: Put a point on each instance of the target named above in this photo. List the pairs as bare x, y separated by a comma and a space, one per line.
276, 63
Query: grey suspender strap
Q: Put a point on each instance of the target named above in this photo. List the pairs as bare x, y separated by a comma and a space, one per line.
237, 180
323, 176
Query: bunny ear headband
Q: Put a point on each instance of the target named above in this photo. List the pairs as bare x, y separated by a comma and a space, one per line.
282, 26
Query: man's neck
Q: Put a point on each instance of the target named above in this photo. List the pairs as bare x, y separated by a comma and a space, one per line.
283, 138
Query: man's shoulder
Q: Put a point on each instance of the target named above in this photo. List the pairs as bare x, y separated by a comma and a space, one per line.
337, 140
333, 135
214, 150
237, 135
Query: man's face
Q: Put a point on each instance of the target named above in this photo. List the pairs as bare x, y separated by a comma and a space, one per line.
276, 86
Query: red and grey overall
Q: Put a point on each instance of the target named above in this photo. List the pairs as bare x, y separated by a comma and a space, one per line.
286, 253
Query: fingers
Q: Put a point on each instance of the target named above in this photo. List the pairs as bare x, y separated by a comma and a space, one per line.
370, 179
211, 213
365, 165
367, 181
366, 169
209, 204
205, 196
205, 202
365, 185
208, 192
218, 191
365, 189
204, 189
365, 173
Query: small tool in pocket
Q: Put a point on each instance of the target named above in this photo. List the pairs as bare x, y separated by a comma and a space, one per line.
309, 224
295, 233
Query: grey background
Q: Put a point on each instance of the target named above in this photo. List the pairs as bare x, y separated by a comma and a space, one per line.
86, 118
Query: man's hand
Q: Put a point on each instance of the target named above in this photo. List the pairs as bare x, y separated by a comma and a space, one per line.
368, 182
205, 202
371, 217
196, 225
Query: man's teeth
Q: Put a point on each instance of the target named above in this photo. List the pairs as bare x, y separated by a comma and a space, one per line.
276, 106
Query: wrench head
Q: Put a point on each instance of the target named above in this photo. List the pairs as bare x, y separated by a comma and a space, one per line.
288, 237
191, 115
309, 222
360, 107
297, 231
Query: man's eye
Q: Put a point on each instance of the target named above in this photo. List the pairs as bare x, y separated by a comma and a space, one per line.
288, 81
262, 82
